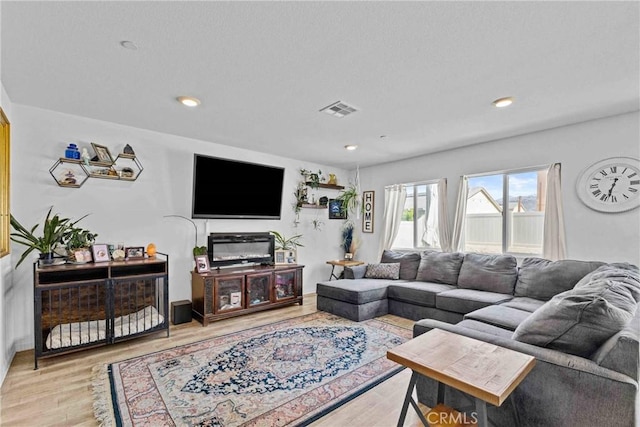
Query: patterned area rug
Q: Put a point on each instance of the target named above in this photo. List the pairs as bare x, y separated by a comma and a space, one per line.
286, 373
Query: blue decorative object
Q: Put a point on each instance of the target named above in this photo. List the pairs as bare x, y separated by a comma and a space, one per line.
72, 152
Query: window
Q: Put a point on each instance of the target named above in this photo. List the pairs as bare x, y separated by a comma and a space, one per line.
4, 184
505, 212
419, 224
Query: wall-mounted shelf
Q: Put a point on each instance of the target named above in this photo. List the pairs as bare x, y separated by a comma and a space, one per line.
311, 206
327, 186
73, 173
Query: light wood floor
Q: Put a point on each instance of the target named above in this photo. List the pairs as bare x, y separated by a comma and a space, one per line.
59, 392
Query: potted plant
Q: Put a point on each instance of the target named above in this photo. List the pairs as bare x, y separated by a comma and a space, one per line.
286, 244
312, 179
53, 231
350, 199
75, 239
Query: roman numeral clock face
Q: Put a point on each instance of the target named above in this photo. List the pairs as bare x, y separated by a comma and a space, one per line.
611, 185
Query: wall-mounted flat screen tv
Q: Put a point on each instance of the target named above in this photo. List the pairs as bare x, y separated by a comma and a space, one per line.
232, 189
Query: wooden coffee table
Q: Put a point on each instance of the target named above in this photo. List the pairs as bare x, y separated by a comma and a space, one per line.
341, 263
485, 371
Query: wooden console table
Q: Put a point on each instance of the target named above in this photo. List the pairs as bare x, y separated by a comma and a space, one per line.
483, 370
229, 292
341, 263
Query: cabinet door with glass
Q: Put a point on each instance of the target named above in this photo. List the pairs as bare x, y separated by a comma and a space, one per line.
258, 289
285, 285
228, 294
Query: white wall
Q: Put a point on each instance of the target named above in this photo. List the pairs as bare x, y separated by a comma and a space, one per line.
7, 347
132, 212
591, 235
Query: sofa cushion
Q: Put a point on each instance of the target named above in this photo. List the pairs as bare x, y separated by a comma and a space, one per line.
409, 262
383, 271
580, 320
466, 300
485, 327
542, 279
493, 273
440, 267
499, 315
355, 272
621, 352
524, 303
418, 293
358, 291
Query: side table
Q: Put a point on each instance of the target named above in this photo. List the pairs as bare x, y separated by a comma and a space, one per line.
485, 371
341, 263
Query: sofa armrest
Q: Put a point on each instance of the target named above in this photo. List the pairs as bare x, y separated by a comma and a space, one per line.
541, 354
356, 272
561, 389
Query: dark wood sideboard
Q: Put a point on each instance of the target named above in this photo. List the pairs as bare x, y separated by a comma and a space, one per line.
224, 293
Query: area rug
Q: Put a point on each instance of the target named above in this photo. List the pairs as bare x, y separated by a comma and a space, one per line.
286, 373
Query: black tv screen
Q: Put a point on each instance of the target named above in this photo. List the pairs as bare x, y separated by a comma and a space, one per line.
224, 188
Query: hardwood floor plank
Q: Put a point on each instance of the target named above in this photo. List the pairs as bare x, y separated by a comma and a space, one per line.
59, 393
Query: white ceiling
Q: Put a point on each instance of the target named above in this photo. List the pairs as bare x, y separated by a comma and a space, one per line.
422, 73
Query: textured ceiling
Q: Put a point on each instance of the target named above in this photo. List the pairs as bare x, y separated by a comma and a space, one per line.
421, 73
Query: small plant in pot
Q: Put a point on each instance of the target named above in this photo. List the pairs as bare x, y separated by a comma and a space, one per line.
76, 239
53, 231
286, 244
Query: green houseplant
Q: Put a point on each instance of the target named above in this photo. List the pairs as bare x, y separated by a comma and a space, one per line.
350, 199
286, 244
76, 238
53, 230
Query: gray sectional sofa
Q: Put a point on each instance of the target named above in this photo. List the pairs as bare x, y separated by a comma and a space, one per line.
579, 319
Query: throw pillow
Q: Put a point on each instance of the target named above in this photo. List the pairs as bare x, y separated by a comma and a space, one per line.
383, 271
409, 262
542, 279
491, 273
580, 320
440, 267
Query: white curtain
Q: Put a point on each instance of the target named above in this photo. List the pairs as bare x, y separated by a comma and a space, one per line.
554, 245
457, 239
444, 233
394, 198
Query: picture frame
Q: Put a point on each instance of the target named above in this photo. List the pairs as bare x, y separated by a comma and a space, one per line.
103, 153
134, 252
202, 263
82, 256
280, 257
100, 252
368, 206
335, 210
291, 257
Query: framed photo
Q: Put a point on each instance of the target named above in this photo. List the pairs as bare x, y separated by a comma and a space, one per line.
290, 257
202, 263
82, 255
134, 252
335, 210
102, 152
280, 256
100, 253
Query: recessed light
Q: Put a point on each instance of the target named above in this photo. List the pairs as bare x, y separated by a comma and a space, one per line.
189, 101
350, 147
503, 102
128, 45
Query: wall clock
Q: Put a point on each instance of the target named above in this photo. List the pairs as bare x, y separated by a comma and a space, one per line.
611, 185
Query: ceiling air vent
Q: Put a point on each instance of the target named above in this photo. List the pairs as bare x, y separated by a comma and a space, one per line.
339, 109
